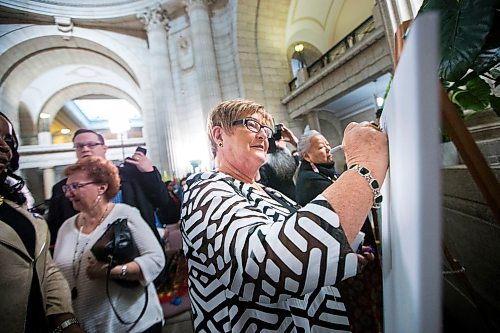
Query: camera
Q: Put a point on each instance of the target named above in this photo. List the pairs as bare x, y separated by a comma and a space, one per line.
140, 150
276, 136
128, 168
277, 132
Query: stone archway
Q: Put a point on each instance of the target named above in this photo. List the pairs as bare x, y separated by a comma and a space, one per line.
27, 131
56, 102
33, 59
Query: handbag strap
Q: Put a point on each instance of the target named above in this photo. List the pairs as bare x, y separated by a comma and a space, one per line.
108, 274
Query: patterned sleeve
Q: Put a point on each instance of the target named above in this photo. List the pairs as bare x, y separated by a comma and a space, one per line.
256, 256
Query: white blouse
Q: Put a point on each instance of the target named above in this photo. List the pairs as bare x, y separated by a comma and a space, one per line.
92, 307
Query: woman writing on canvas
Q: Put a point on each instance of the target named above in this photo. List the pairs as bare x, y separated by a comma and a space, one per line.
258, 261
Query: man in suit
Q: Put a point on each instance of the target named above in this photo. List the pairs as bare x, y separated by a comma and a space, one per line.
141, 184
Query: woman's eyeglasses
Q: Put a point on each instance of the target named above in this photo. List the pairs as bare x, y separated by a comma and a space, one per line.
254, 126
74, 186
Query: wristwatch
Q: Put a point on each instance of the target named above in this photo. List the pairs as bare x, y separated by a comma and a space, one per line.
65, 324
123, 271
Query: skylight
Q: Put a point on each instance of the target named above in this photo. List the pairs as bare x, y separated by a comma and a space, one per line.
106, 109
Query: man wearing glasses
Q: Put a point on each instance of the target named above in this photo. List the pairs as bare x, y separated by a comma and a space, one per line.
143, 189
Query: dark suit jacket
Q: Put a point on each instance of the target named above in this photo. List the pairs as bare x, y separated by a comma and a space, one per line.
171, 212
144, 190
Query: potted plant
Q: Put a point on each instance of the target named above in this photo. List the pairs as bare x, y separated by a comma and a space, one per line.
470, 52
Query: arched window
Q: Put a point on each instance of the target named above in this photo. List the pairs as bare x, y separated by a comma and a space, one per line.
296, 66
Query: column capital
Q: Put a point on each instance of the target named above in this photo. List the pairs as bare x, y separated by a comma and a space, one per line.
194, 3
153, 17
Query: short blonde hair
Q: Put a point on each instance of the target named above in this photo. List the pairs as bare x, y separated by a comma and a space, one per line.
226, 112
100, 171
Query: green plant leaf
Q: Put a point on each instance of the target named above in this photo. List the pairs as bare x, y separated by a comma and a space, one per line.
490, 52
468, 101
475, 96
464, 27
479, 88
423, 7
451, 86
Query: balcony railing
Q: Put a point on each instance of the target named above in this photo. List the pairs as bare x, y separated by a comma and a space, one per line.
357, 35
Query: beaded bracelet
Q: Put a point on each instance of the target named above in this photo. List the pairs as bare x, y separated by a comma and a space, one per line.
65, 324
375, 187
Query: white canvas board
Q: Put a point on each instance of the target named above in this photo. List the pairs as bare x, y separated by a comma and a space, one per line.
411, 210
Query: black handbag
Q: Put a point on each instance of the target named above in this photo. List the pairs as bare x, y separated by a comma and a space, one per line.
116, 247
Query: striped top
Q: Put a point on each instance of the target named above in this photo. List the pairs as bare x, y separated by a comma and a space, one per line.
260, 263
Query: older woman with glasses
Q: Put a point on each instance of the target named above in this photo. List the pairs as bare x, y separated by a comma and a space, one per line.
91, 185
258, 261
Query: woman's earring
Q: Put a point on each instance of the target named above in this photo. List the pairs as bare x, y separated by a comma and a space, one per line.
220, 144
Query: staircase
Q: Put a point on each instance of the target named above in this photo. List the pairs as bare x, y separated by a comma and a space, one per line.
471, 236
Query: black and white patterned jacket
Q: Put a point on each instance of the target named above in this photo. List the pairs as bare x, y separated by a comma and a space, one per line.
262, 264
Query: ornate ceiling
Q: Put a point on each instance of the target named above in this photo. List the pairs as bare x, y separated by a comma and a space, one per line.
90, 9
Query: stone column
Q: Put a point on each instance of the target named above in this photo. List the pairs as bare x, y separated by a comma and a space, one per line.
156, 24
49, 179
44, 138
392, 14
204, 54
313, 121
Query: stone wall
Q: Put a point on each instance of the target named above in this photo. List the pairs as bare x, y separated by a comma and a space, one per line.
471, 235
262, 57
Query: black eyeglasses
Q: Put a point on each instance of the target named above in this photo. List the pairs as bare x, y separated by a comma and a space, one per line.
91, 145
254, 126
74, 186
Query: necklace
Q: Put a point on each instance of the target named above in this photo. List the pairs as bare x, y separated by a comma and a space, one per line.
84, 222
75, 266
76, 271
